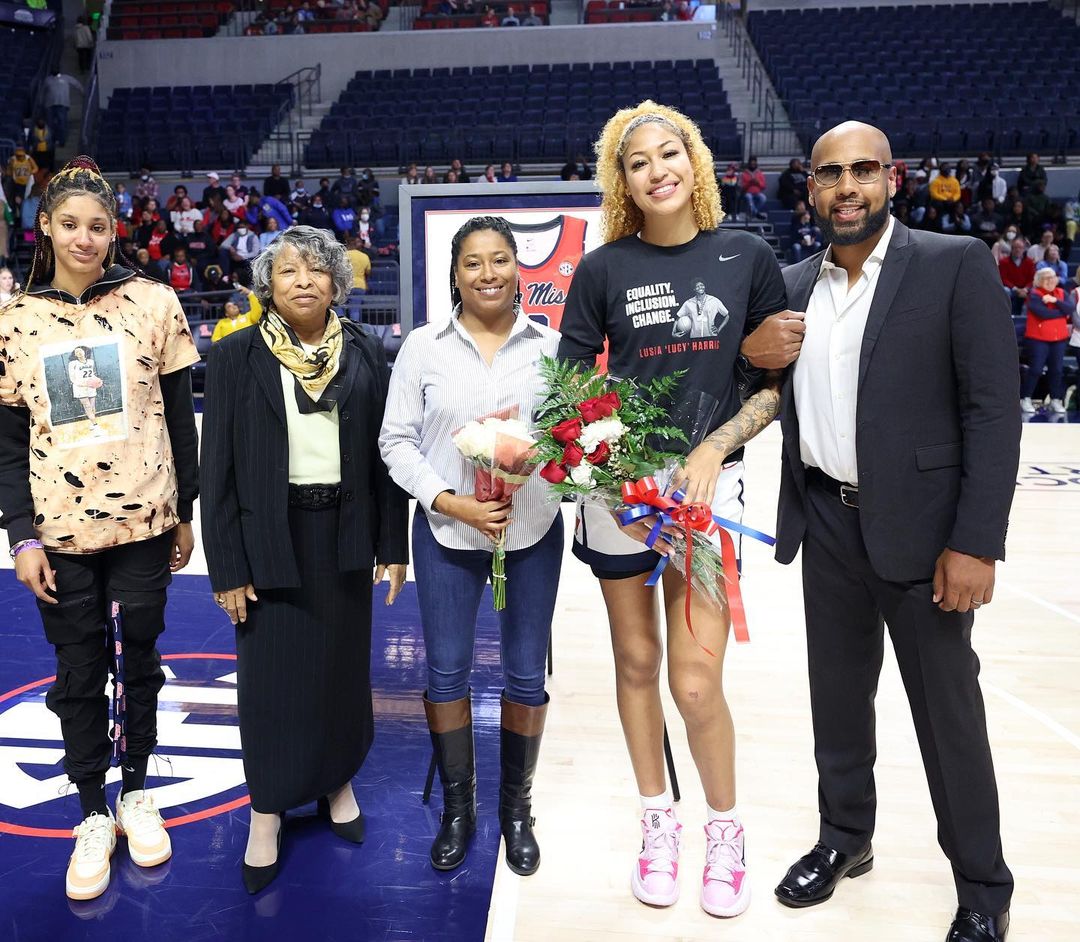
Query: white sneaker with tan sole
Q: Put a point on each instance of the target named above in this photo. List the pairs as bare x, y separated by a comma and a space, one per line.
138, 819
89, 868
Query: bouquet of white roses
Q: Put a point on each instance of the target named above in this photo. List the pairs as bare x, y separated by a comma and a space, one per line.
501, 448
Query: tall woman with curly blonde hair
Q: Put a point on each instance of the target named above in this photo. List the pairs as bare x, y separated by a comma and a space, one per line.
668, 291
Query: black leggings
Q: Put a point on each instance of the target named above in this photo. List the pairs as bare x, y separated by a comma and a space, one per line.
136, 575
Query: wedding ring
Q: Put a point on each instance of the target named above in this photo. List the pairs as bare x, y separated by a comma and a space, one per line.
975, 604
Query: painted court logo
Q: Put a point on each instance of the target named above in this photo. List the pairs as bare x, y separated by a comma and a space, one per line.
198, 772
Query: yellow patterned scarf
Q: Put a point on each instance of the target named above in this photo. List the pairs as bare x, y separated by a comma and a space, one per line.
313, 371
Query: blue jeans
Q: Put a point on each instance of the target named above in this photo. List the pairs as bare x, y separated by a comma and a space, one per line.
1049, 354
449, 585
755, 203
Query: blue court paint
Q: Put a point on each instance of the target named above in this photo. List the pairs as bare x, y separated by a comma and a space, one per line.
328, 889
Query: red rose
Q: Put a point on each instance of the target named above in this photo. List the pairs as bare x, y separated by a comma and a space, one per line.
600, 407
566, 432
599, 454
572, 455
553, 472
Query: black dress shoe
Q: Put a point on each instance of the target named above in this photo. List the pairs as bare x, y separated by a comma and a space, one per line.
257, 879
970, 926
813, 878
352, 831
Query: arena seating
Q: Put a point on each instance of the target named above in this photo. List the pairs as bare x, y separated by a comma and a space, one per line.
188, 126
394, 117
940, 79
169, 19
21, 51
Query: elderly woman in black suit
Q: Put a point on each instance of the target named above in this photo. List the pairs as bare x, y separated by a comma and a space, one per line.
297, 507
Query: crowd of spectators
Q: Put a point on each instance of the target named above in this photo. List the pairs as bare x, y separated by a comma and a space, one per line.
1024, 228
509, 16
457, 173
1030, 235
202, 243
296, 19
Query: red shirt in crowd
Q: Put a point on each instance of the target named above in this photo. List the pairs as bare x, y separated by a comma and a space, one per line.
1017, 276
154, 245
180, 276
752, 181
1049, 329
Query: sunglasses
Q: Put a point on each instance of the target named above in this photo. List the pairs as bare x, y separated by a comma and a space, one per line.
862, 171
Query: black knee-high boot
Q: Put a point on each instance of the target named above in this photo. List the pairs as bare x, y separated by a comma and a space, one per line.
522, 730
452, 737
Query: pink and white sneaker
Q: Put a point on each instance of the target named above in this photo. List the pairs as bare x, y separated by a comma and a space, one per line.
655, 879
725, 890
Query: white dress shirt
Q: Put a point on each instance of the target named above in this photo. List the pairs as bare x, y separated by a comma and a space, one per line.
441, 381
827, 371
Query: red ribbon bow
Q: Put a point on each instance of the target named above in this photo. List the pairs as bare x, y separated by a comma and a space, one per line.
646, 491
691, 517
699, 517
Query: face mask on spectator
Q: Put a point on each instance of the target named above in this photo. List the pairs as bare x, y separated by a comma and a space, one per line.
1010, 234
241, 230
364, 215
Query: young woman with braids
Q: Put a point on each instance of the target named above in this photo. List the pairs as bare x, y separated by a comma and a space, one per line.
98, 520
482, 360
670, 291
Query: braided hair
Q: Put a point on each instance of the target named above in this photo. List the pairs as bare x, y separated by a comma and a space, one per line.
478, 224
79, 177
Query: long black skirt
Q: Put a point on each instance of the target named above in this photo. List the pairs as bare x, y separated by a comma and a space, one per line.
304, 674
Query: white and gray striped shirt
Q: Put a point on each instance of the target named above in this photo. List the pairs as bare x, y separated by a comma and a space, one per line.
441, 381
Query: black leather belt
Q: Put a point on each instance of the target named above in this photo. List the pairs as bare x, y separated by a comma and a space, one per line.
314, 496
848, 493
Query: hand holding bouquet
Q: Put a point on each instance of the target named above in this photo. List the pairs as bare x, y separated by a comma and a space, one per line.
603, 440
502, 451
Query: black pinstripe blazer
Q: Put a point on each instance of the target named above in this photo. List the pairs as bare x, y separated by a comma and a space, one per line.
244, 474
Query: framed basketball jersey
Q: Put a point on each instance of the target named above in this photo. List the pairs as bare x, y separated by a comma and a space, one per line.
554, 224
548, 255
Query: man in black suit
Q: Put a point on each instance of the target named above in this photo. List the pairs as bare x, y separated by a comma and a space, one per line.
901, 445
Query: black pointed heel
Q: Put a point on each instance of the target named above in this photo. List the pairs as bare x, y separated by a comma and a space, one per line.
257, 879
352, 831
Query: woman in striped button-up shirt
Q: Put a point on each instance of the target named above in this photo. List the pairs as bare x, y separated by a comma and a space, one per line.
482, 360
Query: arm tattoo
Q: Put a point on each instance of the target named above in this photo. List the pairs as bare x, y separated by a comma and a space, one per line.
756, 414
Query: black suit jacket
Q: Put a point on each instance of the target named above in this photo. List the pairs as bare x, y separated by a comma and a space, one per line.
245, 466
937, 420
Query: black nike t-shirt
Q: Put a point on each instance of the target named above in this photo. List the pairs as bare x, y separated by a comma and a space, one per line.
666, 308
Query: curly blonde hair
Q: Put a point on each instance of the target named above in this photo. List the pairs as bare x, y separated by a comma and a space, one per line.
621, 215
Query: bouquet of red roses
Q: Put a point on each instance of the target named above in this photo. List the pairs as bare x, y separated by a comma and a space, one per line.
596, 434
607, 442
501, 449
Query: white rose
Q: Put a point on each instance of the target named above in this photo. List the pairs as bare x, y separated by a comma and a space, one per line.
608, 430
582, 475
474, 440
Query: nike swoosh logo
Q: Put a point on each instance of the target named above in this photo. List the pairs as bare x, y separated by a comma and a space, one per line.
726, 258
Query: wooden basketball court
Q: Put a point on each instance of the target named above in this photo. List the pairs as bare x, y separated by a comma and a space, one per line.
1029, 643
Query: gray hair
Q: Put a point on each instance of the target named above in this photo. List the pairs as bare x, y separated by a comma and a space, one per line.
314, 245
1040, 275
